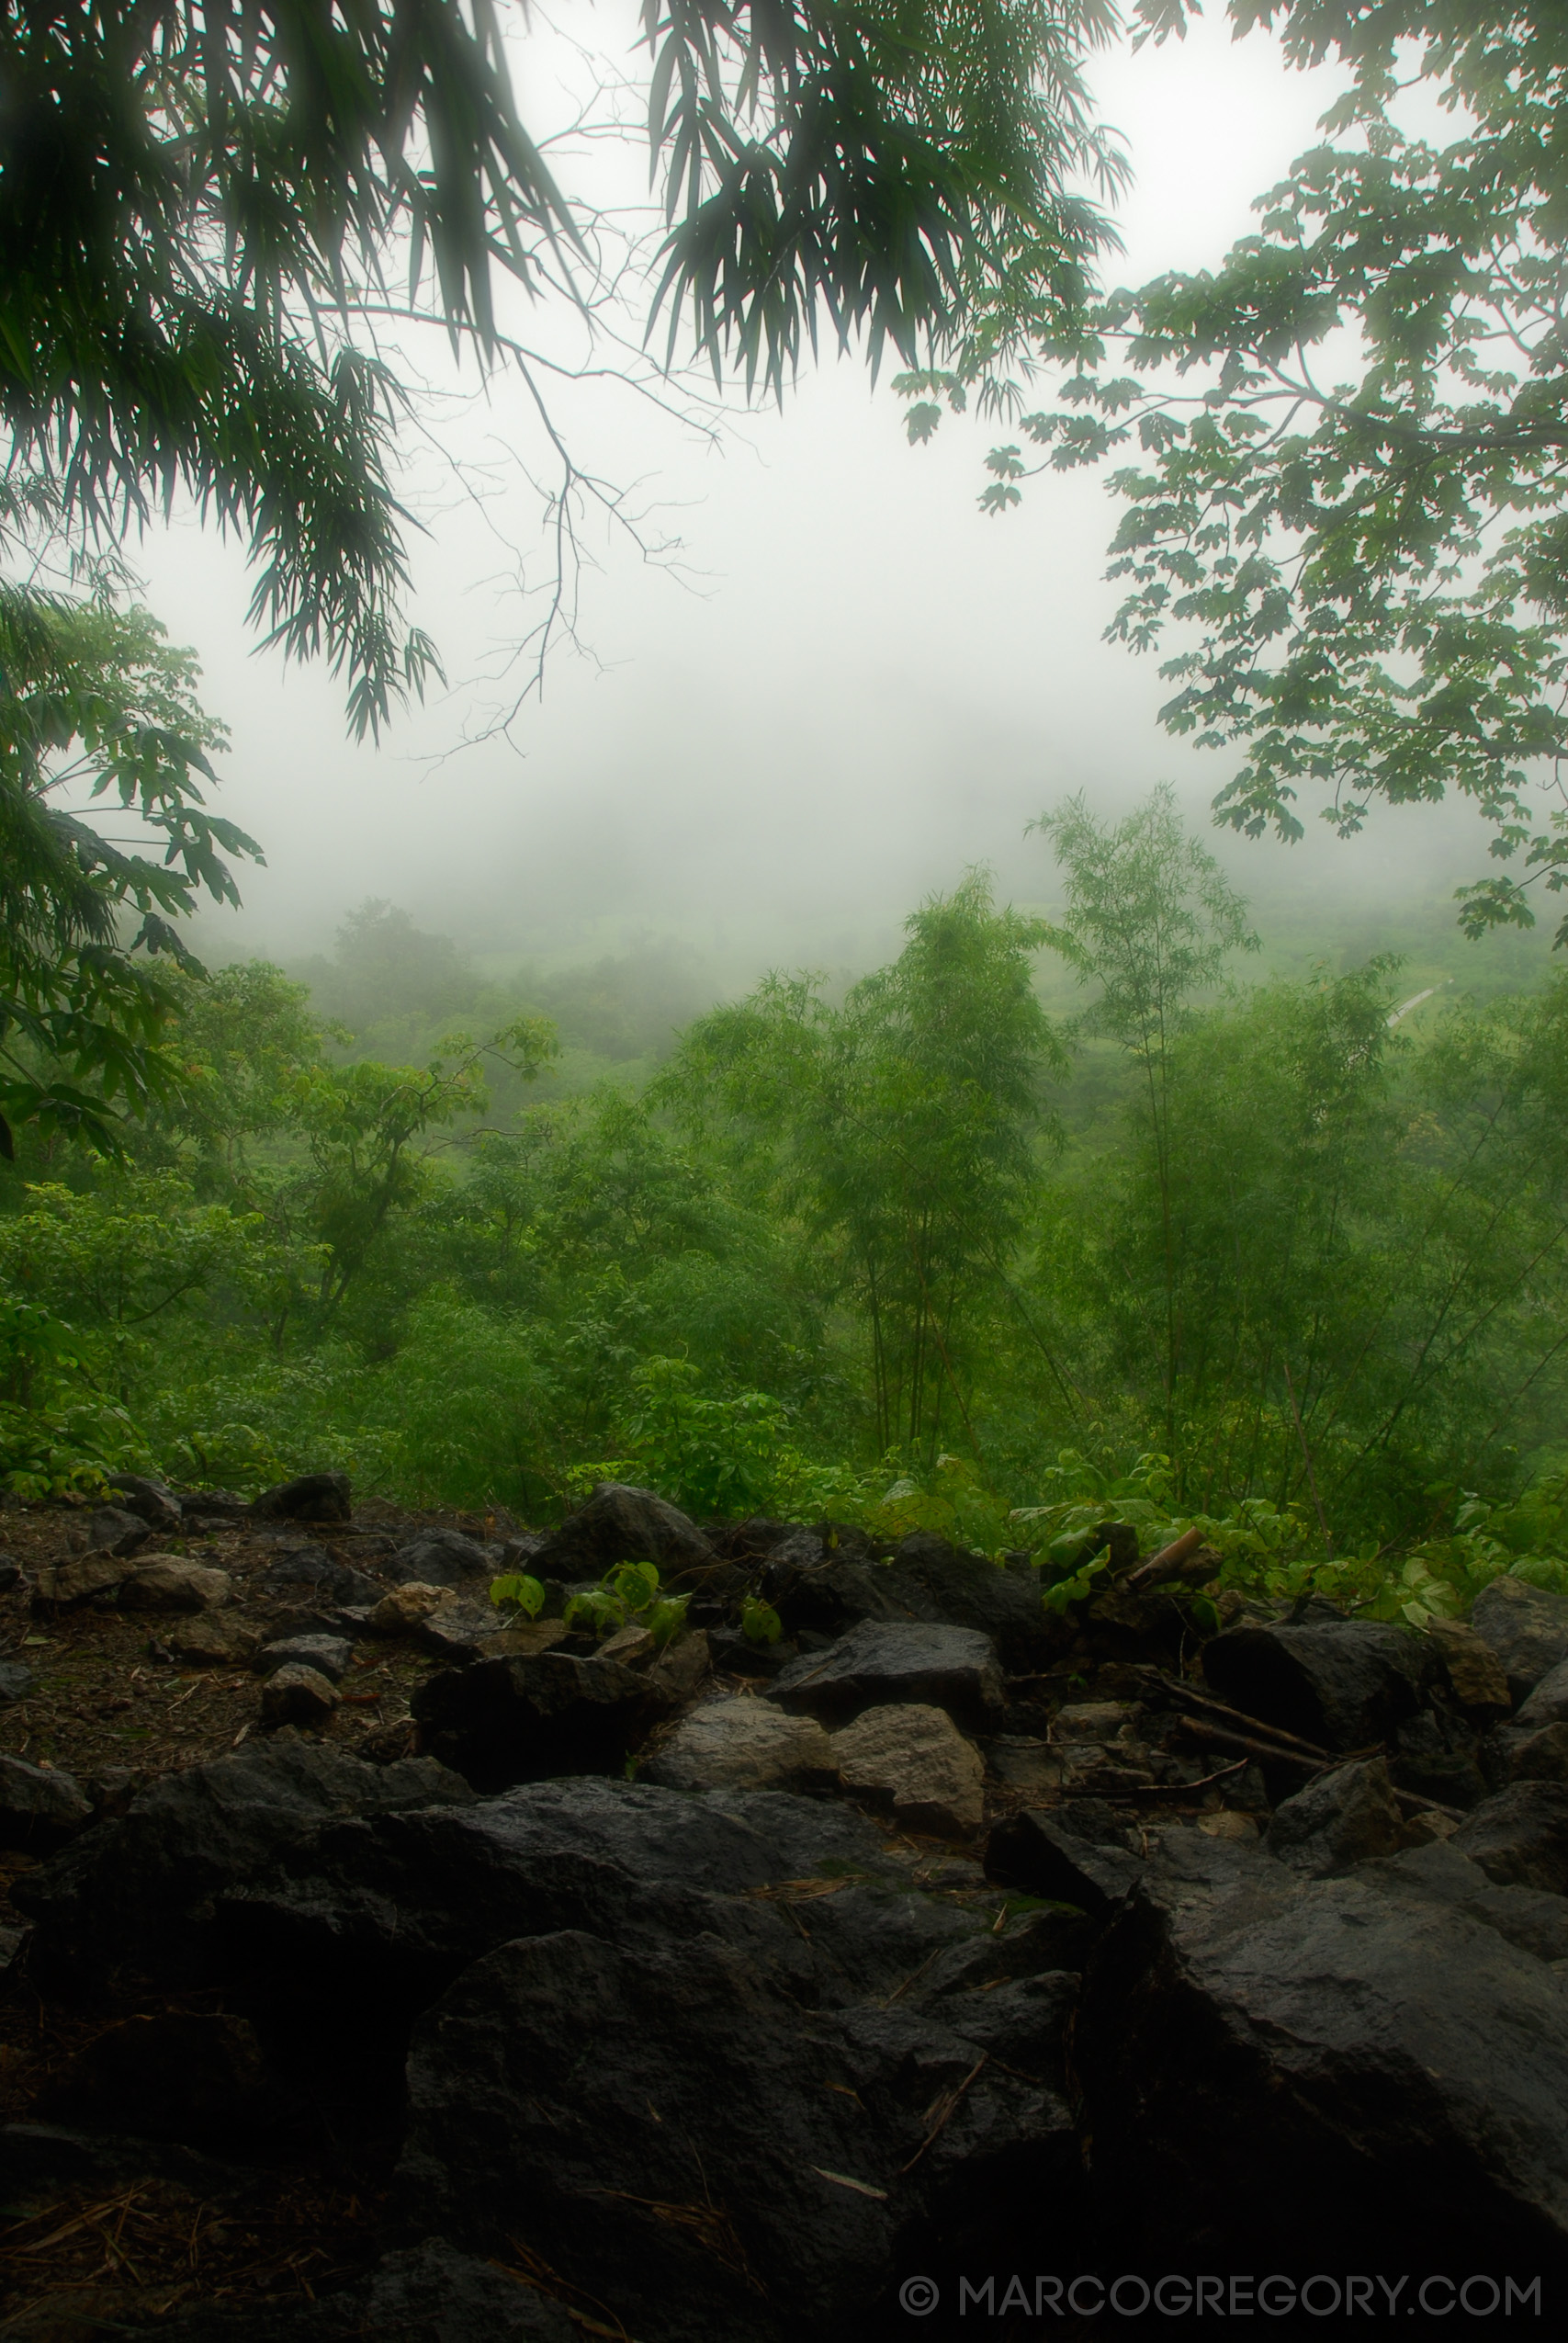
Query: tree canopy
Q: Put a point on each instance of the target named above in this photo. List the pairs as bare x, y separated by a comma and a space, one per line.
199, 207
1342, 452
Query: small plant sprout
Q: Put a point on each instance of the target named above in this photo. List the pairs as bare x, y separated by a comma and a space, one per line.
760, 1622
515, 1591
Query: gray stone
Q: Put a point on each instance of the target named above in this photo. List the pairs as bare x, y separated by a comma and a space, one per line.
621, 1524
1520, 1837
165, 1583
113, 1530
39, 1808
156, 1505
914, 1761
294, 1695
887, 1662
312, 1565
328, 1655
1538, 1756
1342, 1683
212, 1639
1475, 1674
746, 1743
444, 1558
79, 1581
1095, 1721
1526, 1626
1548, 1705
14, 1681
1347, 1816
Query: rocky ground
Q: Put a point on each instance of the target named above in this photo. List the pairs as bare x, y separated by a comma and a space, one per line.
372, 1967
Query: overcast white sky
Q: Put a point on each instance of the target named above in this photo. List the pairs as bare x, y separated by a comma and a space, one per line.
869, 687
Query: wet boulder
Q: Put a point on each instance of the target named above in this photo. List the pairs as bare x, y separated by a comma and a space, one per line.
1520, 1837
1293, 2071
884, 1661
524, 1716
655, 2118
40, 1808
745, 1743
301, 1569
913, 1761
621, 1524
150, 1500
444, 1558
1526, 1626
1342, 1683
1344, 1816
138, 1892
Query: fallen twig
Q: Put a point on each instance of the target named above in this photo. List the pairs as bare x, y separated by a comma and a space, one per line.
1239, 1717
1220, 1738
945, 2106
1166, 1564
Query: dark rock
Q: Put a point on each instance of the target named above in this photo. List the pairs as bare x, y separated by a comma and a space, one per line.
14, 1681
313, 1567
183, 2075
379, 1915
328, 1655
966, 1591
1123, 1626
445, 1558
429, 2294
296, 1694
524, 1716
1343, 1818
1539, 1756
1526, 1626
213, 1504
951, 1667
1295, 2072
735, 1654
1533, 1920
166, 1582
656, 2120
155, 1504
40, 1809
1045, 1853
1520, 1837
1437, 1757
1475, 1675
114, 1530
620, 1523
1340, 1683
1548, 1705
315, 1497
137, 1893
460, 1631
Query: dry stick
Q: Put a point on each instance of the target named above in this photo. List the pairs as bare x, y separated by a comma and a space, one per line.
948, 2103
1239, 1717
1201, 1730
1166, 1562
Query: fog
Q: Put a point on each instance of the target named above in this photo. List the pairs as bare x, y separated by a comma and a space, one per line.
847, 687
